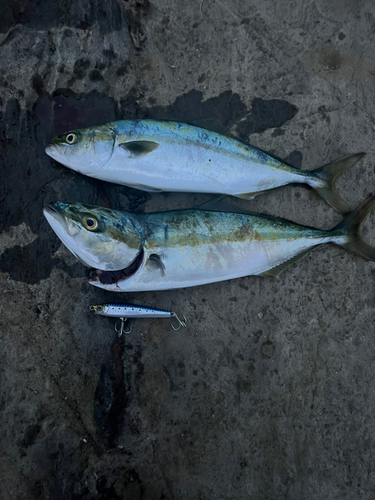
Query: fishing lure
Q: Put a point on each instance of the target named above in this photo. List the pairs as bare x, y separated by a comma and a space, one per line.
125, 311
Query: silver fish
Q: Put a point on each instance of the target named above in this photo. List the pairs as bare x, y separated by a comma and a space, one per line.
183, 248
169, 156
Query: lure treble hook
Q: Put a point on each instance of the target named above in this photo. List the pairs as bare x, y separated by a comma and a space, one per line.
122, 328
181, 323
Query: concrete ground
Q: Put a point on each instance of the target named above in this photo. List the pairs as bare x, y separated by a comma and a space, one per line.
268, 393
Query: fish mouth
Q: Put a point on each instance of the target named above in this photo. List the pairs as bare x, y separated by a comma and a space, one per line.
65, 232
54, 217
58, 221
99, 277
55, 151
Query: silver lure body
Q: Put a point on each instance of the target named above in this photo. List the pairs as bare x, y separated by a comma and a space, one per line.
130, 311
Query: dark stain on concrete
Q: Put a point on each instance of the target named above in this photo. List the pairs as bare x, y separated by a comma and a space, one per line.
71, 110
267, 349
80, 68
110, 398
95, 76
11, 13
257, 336
33, 263
227, 108
175, 372
123, 69
44, 14
294, 159
30, 435
264, 115
28, 179
135, 12
330, 59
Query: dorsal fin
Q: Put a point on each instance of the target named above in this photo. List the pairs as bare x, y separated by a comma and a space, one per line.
213, 124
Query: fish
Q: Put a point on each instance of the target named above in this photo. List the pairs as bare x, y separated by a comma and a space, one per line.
125, 311
160, 156
183, 248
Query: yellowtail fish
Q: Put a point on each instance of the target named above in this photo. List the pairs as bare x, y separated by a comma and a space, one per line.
169, 156
125, 311
183, 248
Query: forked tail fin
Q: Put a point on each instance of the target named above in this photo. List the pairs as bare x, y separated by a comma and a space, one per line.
350, 227
326, 176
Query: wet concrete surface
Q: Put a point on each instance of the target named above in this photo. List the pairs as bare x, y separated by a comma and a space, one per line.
268, 393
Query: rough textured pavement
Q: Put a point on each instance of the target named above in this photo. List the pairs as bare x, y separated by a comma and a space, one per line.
269, 392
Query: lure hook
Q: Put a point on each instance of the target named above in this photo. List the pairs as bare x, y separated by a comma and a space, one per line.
122, 328
181, 323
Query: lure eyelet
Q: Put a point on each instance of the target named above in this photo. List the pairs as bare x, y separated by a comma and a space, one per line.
90, 223
71, 138
97, 309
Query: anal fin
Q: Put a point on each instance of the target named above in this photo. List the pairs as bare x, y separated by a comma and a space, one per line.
142, 187
250, 196
275, 271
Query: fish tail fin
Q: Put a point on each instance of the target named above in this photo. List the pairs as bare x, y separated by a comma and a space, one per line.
348, 231
322, 180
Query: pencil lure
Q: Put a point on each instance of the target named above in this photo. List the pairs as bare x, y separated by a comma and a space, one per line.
125, 311
169, 156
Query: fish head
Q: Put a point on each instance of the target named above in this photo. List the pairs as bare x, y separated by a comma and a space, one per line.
85, 150
99, 237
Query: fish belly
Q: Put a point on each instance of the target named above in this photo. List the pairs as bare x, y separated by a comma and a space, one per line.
192, 266
189, 168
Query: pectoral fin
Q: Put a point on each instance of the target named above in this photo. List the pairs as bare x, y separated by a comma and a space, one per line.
155, 262
137, 149
275, 271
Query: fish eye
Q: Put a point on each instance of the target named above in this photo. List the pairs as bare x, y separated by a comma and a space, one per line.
71, 138
90, 223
